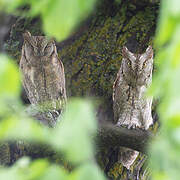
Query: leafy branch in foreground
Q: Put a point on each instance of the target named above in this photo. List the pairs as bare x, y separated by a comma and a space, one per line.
74, 131
165, 150
59, 17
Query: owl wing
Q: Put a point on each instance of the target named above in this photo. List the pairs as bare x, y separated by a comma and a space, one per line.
116, 105
116, 82
61, 79
56, 85
27, 79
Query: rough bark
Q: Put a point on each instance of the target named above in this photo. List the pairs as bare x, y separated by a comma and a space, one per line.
109, 135
92, 58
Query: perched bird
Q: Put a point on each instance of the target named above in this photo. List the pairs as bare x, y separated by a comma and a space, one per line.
131, 108
43, 77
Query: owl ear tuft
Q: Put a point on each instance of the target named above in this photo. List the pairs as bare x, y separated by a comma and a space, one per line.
125, 50
126, 53
149, 51
149, 48
55, 50
52, 41
26, 35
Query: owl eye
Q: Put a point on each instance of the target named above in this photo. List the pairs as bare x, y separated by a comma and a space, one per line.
48, 49
144, 64
28, 49
28, 45
129, 63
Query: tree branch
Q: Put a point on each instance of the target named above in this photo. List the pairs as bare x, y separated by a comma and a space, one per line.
110, 135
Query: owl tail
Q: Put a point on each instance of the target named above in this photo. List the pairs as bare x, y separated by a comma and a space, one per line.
127, 156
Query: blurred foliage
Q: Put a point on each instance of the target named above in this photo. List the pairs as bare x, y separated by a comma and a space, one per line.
165, 150
72, 135
75, 130
10, 86
59, 17
8, 73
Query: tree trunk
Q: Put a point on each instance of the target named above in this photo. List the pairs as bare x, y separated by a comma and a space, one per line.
92, 58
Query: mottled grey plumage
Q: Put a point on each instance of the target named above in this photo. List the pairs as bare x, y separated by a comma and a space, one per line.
131, 108
43, 76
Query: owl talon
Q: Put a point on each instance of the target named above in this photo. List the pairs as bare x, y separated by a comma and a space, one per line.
133, 126
128, 126
124, 125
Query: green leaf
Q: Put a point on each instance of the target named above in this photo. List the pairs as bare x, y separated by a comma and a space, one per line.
9, 78
37, 169
23, 169
11, 5
172, 8
56, 173
76, 130
165, 30
61, 17
39, 7
165, 150
169, 16
22, 127
87, 171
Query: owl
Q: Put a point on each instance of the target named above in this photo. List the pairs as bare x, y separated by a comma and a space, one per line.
43, 76
131, 107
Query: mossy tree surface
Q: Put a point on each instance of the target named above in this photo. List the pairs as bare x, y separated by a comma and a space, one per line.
92, 58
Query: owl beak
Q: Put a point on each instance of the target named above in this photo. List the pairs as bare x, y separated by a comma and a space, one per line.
38, 52
41, 53
139, 72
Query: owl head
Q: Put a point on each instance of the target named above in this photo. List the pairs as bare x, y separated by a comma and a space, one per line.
137, 68
38, 46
